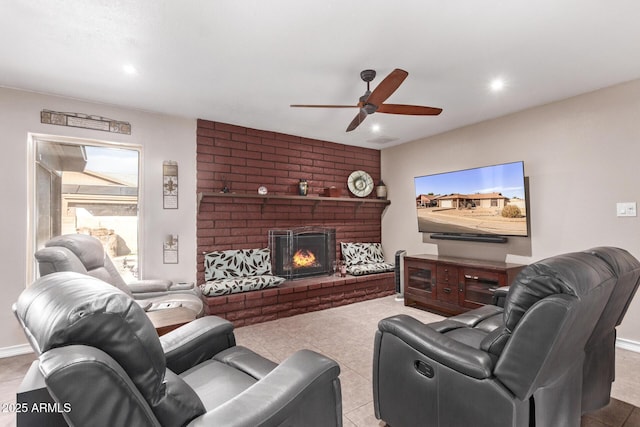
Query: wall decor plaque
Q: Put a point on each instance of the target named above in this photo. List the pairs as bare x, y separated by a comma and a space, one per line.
85, 121
170, 184
170, 249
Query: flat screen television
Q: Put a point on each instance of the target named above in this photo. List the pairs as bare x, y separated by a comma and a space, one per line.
485, 201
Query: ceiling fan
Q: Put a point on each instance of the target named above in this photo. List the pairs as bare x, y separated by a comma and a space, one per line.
373, 102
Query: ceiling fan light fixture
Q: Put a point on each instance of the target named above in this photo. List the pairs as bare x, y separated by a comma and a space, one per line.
370, 108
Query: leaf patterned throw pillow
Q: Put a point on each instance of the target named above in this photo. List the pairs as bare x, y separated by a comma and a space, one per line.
237, 263
361, 253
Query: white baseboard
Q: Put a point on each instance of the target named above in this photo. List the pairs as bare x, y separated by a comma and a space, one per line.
15, 350
628, 345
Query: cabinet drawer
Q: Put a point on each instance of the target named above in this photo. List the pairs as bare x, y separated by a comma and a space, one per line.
447, 274
447, 292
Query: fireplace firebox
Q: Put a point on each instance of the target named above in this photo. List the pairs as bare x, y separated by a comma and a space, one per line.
302, 252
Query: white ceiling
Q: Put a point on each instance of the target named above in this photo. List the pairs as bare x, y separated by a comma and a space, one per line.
245, 61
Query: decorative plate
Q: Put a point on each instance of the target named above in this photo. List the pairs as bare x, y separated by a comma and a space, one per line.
360, 183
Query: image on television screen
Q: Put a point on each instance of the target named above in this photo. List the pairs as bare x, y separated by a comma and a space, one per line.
487, 200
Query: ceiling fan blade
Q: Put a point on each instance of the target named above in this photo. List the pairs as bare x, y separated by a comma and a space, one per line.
387, 87
414, 110
357, 120
323, 106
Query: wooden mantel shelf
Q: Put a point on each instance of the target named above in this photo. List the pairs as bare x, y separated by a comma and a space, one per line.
316, 200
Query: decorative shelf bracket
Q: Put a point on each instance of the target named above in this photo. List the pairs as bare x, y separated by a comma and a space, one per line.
200, 196
315, 205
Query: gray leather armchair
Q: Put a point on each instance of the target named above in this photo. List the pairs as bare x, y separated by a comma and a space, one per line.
600, 351
521, 365
101, 357
85, 254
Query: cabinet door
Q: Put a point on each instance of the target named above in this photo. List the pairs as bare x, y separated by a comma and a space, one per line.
477, 286
420, 279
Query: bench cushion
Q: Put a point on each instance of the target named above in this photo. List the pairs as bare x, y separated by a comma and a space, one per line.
219, 287
377, 267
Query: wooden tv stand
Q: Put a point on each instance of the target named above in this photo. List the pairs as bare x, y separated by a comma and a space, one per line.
449, 285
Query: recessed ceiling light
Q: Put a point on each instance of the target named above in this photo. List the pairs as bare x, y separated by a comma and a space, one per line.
497, 85
129, 69
375, 127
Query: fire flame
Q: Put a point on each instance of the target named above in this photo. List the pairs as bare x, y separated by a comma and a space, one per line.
304, 258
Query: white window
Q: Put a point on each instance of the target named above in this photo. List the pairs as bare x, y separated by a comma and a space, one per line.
89, 187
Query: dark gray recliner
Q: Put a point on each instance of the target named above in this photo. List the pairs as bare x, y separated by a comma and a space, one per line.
600, 351
85, 254
518, 366
100, 355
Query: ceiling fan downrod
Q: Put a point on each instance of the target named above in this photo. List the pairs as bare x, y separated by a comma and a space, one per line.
367, 76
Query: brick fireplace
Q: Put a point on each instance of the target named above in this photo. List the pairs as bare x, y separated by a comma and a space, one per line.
243, 159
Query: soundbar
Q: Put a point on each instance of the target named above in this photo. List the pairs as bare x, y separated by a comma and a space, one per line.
470, 237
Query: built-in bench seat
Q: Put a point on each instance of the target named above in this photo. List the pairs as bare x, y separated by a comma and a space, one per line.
299, 296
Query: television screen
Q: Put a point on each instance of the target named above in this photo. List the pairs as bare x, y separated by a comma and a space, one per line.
488, 200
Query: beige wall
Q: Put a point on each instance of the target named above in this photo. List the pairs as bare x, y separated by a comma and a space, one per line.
581, 156
161, 137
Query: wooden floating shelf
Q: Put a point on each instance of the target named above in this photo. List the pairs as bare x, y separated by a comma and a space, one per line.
316, 200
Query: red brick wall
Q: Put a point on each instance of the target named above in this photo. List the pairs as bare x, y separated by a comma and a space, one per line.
244, 158
299, 296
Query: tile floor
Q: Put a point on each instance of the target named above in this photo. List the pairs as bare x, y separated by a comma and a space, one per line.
346, 335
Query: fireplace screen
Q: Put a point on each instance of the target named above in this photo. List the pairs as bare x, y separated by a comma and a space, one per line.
302, 252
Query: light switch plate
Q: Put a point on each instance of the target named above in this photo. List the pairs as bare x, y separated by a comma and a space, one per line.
626, 209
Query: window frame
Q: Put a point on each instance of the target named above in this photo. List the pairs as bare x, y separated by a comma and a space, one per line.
32, 141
